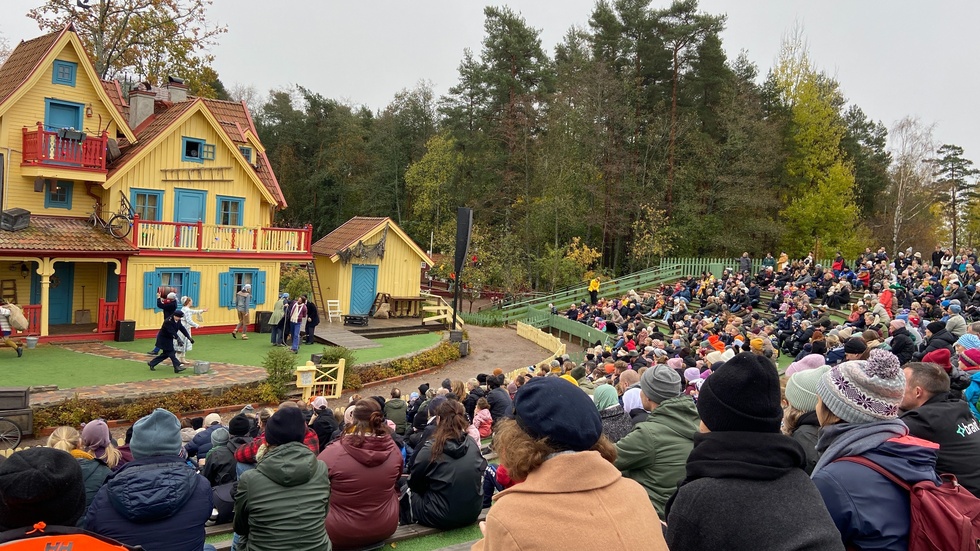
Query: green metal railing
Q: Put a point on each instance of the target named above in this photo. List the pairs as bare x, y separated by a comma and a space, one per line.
695, 266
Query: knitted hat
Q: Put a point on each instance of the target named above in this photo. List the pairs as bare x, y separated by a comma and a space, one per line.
935, 327
855, 345
285, 425
547, 407
319, 403
156, 434
970, 358
578, 372
212, 419
955, 308
239, 425
742, 395
96, 438
41, 484
660, 383
968, 340
756, 345
897, 324
940, 357
691, 373
864, 391
801, 388
219, 437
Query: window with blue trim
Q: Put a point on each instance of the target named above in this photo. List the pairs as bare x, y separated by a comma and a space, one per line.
147, 203
183, 280
57, 194
63, 72
197, 151
231, 282
246, 152
229, 210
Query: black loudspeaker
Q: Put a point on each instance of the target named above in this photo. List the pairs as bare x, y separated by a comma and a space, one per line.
464, 227
125, 331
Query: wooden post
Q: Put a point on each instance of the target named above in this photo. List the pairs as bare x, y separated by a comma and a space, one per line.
200, 236
136, 231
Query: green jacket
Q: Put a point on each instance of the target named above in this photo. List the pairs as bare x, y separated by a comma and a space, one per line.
396, 411
655, 452
281, 504
588, 386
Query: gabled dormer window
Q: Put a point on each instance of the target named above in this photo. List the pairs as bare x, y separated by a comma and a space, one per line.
63, 72
246, 152
197, 151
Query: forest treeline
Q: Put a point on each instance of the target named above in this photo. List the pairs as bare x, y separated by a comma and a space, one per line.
635, 138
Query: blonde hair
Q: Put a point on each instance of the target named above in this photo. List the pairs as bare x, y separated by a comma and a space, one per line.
65, 439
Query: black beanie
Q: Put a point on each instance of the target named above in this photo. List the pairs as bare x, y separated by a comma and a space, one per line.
285, 425
41, 485
239, 425
855, 345
742, 395
423, 388
936, 327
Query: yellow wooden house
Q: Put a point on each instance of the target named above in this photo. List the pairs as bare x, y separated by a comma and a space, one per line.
364, 257
125, 196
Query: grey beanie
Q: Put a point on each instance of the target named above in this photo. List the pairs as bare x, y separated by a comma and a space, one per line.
219, 437
660, 383
156, 434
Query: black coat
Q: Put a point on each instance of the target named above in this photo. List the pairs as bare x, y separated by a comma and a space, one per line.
168, 332
448, 490
902, 345
806, 435
470, 402
220, 466
501, 406
325, 426
951, 424
942, 339
313, 314
168, 307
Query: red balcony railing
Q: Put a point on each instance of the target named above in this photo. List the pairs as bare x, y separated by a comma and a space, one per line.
64, 148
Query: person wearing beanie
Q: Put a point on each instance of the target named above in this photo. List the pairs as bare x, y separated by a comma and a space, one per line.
200, 445
940, 357
219, 465
556, 448
855, 349
580, 374
281, 504
744, 475
169, 332
955, 323
800, 412
808, 362
655, 451
932, 414
858, 407
967, 341
40, 485
615, 421
473, 394
937, 337
902, 345
173, 519
247, 454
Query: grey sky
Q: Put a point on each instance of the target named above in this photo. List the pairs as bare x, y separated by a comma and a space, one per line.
891, 57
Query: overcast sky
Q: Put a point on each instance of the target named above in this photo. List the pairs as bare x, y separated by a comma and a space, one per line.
892, 57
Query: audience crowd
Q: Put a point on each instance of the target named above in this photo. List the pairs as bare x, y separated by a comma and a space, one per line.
677, 432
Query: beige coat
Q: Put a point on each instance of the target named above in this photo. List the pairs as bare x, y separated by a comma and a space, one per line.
576, 501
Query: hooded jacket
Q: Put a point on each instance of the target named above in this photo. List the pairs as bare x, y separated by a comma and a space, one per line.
363, 500
501, 406
160, 503
589, 493
902, 345
281, 504
483, 423
949, 423
805, 434
942, 339
655, 451
448, 490
469, 403
396, 411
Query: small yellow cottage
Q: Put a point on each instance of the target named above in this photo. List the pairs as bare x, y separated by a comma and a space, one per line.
365, 257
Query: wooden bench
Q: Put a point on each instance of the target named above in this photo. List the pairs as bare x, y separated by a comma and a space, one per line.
404, 532
403, 307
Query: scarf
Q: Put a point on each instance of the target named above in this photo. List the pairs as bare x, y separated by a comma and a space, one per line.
631, 399
605, 397
741, 455
846, 439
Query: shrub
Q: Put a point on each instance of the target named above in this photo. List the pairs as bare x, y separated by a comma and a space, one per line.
442, 354
280, 363
333, 354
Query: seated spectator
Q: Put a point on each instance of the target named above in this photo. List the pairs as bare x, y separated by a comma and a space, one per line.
396, 411
800, 412
94, 471
615, 421
557, 449
499, 399
858, 405
446, 474
324, 423
247, 455
901, 343
199, 446
158, 500
655, 451
482, 420
364, 466
932, 415
745, 487
937, 338
219, 465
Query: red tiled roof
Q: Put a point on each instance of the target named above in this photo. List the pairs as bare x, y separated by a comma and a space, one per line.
346, 235
22, 62
51, 233
115, 94
145, 133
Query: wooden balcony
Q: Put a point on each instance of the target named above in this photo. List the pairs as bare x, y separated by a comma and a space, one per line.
64, 148
209, 238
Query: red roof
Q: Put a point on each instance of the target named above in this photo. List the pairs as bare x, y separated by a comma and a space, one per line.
52, 233
347, 234
23, 61
115, 94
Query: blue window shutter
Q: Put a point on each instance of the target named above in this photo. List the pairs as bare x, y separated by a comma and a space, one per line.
194, 287
226, 290
258, 288
151, 280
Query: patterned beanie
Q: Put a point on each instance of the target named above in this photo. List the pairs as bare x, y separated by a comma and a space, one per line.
864, 391
968, 340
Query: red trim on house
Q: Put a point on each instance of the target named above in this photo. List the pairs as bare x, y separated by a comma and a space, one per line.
208, 330
20, 253
295, 257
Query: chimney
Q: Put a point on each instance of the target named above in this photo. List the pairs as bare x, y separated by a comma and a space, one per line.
177, 89
140, 106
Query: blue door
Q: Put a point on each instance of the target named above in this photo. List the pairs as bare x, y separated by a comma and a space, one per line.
60, 293
61, 114
189, 205
363, 287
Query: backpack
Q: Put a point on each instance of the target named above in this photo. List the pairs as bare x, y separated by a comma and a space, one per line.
943, 518
16, 317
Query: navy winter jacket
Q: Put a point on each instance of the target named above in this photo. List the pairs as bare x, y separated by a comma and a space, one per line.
160, 503
200, 445
869, 510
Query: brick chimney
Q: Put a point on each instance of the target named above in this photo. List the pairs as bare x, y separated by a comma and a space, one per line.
140, 106
177, 89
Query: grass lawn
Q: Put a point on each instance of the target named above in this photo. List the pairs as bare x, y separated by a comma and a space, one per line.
223, 348
53, 365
